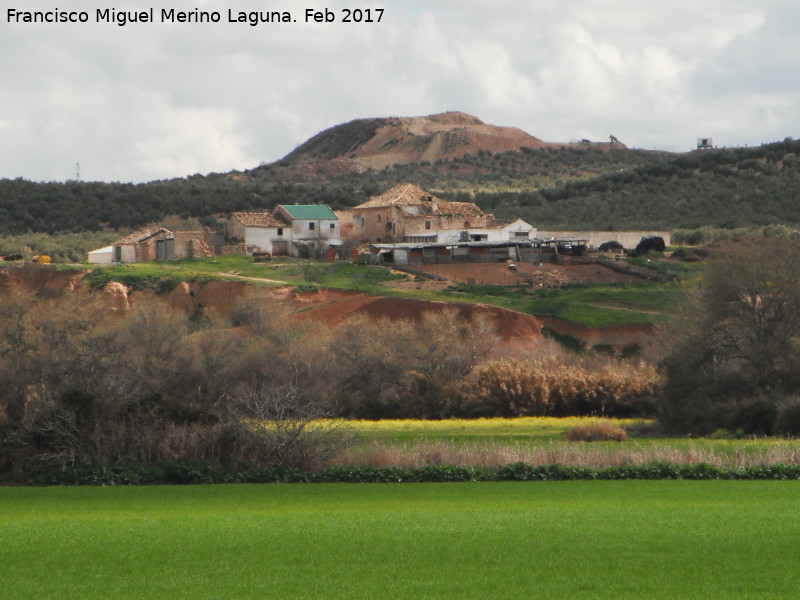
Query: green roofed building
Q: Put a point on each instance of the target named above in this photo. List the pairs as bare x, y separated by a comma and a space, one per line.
308, 212
304, 230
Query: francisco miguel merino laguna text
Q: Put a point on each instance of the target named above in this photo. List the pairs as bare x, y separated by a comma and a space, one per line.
170, 15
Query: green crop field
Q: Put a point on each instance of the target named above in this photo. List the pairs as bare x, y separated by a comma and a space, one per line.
541, 440
635, 539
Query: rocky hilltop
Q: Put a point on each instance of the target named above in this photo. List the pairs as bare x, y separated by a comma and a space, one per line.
376, 143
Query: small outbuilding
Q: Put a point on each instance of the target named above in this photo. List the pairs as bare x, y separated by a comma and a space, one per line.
102, 256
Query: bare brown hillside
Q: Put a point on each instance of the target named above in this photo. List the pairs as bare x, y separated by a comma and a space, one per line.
377, 143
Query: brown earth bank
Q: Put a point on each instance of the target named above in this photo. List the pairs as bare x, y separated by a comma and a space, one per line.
332, 306
43, 279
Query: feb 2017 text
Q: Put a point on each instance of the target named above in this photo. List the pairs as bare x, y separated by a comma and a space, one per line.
170, 15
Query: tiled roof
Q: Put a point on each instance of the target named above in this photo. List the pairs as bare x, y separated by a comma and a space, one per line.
456, 208
140, 236
310, 212
262, 219
408, 194
403, 194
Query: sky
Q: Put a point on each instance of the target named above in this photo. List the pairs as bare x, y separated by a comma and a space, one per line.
157, 100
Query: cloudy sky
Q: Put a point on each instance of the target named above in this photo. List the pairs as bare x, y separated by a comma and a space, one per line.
160, 100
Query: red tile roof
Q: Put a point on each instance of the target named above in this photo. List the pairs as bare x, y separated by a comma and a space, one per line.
262, 219
408, 194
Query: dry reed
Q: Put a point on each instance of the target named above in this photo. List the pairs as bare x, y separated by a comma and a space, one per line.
595, 455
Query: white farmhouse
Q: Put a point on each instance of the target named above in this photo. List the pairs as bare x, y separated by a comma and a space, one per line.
291, 230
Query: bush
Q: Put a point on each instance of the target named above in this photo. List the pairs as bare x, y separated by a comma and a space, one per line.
596, 432
513, 387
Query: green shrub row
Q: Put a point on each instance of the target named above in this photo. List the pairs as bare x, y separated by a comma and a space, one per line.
190, 472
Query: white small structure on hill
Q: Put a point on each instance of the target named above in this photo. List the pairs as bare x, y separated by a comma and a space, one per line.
102, 256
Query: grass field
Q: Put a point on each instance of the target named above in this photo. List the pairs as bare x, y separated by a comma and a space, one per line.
665, 539
540, 440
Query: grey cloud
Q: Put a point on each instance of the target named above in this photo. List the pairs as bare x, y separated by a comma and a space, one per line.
154, 101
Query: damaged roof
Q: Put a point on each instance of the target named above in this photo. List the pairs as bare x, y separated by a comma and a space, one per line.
137, 237
408, 194
262, 219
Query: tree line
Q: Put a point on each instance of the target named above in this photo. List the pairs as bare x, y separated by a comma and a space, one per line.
83, 385
73, 206
553, 188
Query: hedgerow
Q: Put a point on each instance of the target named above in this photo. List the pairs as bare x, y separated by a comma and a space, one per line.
189, 472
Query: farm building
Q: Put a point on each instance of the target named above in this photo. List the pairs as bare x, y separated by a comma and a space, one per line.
102, 256
258, 231
408, 211
291, 230
493, 231
533, 251
157, 243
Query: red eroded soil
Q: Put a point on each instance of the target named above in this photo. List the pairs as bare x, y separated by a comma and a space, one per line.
333, 307
44, 279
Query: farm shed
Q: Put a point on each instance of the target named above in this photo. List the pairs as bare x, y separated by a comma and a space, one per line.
155, 243
259, 231
102, 256
531, 251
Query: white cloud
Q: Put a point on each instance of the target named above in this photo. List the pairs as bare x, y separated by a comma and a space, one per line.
152, 101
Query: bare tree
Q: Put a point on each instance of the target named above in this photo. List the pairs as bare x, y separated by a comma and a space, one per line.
280, 426
735, 346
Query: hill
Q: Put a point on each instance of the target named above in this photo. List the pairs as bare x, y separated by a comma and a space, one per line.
458, 157
365, 144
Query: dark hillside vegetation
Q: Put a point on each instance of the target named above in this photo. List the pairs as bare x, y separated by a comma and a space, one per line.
337, 141
73, 206
570, 187
732, 188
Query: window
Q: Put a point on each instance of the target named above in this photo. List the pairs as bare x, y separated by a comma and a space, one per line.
280, 230
427, 224
333, 226
311, 226
379, 218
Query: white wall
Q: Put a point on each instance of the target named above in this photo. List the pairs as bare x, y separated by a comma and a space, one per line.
322, 229
102, 256
263, 236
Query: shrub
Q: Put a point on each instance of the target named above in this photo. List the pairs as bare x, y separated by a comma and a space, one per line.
596, 432
513, 387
